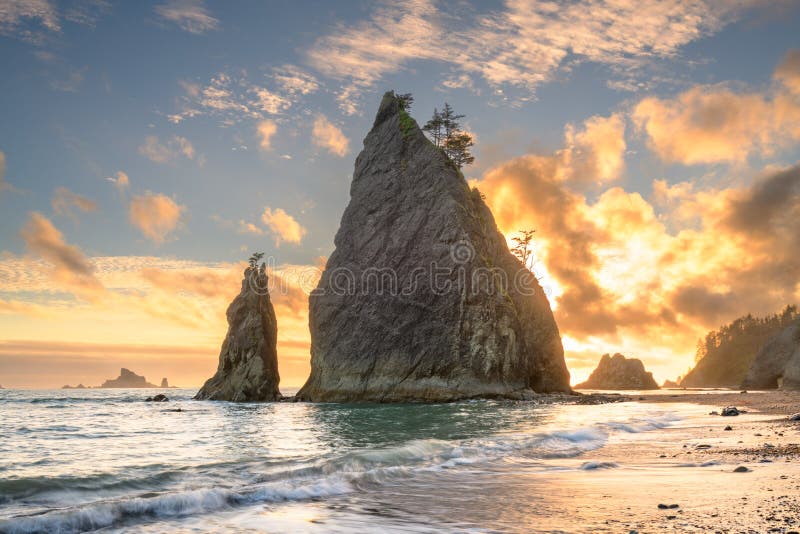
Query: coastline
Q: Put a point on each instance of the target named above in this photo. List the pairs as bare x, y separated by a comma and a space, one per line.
762, 439
592, 463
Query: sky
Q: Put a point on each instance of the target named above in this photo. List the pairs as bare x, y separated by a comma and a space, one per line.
147, 148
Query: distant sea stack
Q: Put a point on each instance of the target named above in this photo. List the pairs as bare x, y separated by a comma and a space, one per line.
248, 361
777, 364
619, 372
164, 383
422, 300
127, 379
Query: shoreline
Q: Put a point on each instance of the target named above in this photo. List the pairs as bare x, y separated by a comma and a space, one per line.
761, 444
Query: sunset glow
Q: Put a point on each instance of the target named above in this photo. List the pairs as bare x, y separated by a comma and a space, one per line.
658, 168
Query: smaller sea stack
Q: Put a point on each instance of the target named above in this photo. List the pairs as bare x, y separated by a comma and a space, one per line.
619, 372
248, 360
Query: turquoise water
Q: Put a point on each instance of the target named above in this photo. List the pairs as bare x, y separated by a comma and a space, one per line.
73, 461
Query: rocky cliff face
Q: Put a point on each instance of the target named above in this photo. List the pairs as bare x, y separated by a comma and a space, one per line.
422, 300
777, 364
619, 372
127, 379
248, 360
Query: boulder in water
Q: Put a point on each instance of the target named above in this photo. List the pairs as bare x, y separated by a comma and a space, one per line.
248, 360
421, 300
157, 398
619, 372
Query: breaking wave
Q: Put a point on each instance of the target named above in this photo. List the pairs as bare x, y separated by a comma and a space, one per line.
353, 471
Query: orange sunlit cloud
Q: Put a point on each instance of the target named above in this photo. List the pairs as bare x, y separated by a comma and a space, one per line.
632, 284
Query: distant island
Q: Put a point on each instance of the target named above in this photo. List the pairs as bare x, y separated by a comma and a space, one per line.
126, 379
619, 372
129, 379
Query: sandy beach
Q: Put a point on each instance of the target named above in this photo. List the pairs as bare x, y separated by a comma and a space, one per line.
764, 498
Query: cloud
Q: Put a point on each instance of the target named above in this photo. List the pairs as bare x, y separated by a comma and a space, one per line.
707, 125
87, 12
769, 207
189, 15
629, 274
27, 19
167, 152
17, 307
788, 71
234, 98
270, 102
182, 301
201, 281
284, 227
294, 81
328, 136
155, 215
265, 130
70, 267
71, 82
120, 181
716, 124
596, 153
362, 54
64, 202
4, 186
520, 45
249, 228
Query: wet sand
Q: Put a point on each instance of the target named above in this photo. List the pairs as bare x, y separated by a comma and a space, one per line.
765, 497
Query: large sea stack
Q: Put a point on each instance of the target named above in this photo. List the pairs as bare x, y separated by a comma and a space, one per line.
422, 300
777, 364
248, 360
619, 372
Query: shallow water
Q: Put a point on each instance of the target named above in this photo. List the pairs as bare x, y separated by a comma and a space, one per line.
73, 461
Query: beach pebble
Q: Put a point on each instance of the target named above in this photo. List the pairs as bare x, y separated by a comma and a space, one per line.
741, 469
729, 427
730, 411
795, 417
668, 506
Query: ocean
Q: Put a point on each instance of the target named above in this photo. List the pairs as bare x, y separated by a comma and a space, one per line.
85, 460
